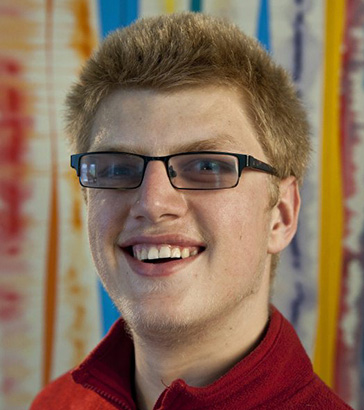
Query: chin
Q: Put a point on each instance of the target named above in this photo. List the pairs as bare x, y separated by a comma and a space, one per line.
157, 324
159, 319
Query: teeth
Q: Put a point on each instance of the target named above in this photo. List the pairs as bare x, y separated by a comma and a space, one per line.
138, 254
176, 253
146, 252
185, 253
165, 252
153, 253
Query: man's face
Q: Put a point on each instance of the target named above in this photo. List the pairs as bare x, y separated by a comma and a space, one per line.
229, 229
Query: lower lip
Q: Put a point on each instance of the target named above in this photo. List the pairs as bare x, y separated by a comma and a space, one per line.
157, 269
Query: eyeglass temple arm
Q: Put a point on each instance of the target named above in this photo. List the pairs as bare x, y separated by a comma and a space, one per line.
252, 162
75, 163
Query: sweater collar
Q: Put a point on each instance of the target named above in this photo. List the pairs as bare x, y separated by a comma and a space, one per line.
109, 370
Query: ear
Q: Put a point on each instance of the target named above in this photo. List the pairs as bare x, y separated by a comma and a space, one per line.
284, 216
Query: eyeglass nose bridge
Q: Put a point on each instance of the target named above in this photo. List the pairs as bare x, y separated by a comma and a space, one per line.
171, 173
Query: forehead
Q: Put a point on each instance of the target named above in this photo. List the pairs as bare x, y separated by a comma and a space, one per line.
160, 123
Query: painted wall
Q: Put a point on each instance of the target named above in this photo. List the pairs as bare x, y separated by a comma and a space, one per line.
52, 308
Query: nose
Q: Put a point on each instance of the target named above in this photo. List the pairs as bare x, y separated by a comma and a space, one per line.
157, 200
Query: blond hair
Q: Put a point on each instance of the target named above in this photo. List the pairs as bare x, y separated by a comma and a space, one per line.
188, 49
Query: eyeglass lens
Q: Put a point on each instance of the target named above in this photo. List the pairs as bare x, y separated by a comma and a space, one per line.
204, 171
189, 171
111, 170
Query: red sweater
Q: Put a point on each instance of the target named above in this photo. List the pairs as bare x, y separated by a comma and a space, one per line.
276, 375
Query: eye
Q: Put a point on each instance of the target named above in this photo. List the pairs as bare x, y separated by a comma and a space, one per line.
118, 171
209, 166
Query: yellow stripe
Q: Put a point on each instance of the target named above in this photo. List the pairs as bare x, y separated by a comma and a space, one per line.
169, 6
331, 198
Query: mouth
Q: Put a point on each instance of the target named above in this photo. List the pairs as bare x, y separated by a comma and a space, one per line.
163, 253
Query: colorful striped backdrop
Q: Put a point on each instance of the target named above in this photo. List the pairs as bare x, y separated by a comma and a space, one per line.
52, 307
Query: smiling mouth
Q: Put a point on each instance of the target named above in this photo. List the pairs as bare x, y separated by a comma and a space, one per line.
162, 253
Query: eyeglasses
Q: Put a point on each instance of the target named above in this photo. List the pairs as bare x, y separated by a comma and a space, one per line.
202, 170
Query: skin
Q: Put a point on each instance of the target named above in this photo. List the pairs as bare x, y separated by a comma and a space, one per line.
196, 319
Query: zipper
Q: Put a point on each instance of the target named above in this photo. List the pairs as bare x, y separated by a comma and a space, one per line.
107, 396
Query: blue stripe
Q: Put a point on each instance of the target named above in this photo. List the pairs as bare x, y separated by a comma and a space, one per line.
116, 13
299, 24
129, 12
113, 14
263, 29
300, 298
108, 310
196, 5
109, 12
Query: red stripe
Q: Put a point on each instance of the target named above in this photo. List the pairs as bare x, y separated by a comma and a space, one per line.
347, 374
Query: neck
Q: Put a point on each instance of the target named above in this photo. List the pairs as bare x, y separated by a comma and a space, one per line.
208, 354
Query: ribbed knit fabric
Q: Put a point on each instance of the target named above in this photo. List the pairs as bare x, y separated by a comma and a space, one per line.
276, 375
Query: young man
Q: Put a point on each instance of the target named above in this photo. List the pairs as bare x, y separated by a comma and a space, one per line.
192, 146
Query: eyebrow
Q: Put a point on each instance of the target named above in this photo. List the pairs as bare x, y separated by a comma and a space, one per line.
223, 141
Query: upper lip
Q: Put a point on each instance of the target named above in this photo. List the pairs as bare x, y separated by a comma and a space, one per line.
167, 239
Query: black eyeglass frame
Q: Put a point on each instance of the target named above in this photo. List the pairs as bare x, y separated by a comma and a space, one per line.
244, 161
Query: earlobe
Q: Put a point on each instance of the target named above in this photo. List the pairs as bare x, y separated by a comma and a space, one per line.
284, 216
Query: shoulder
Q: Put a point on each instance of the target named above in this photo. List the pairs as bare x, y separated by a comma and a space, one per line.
297, 385
316, 395
63, 393
322, 396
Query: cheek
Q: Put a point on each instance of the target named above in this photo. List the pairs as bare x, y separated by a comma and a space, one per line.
103, 229
235, 219
238, 228
104, 219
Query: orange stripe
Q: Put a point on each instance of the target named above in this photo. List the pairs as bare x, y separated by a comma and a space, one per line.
53, 231
51, 283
